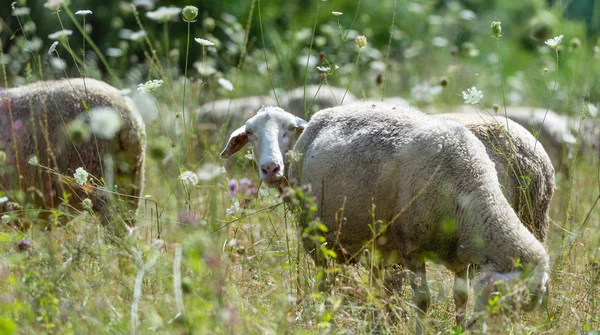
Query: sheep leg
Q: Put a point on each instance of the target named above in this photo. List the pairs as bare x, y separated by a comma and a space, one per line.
421, 295
461, 295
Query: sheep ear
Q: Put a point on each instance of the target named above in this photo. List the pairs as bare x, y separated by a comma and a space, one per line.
300, 125
237, 140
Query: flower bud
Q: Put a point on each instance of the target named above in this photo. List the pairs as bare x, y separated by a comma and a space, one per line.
189, 13
361, 41
496, 29
575, 43
496, 108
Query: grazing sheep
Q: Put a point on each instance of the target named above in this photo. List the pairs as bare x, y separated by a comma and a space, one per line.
556, 132
237, 109
317, 97
524, 169
428, 180
49, 120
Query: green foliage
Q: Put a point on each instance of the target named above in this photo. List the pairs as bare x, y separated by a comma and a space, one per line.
242, 267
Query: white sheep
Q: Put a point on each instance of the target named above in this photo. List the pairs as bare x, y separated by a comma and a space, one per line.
523, 167
556, 132
236, 110
34, 121
445, 198
317, 97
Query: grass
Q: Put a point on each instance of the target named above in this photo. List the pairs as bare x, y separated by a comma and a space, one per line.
198, 263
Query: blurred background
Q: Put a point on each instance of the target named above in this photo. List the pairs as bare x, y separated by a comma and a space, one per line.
431, 41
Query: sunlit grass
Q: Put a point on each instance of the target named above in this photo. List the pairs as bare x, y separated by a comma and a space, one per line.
201, 260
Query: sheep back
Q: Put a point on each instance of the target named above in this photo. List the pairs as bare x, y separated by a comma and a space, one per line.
41, 113
523, 167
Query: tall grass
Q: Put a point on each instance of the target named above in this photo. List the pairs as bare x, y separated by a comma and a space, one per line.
202, 259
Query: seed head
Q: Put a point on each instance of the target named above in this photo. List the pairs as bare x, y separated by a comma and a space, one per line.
87, 204
361, 41
78, 132
496, 29
575, 43
444, 82
496, 108
209, 24
190, 13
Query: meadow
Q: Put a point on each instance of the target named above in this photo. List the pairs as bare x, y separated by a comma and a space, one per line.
213, 250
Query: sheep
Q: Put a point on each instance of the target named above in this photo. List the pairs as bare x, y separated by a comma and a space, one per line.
352, 153
556, 132
49, 120
522, 165
446, 199
317, 98
235, 109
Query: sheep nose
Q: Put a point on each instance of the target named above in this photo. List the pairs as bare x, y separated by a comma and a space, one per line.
270, 168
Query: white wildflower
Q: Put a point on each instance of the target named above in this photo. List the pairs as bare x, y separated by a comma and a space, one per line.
439, 41
138, 35
114, 52
64, 33
81, 176
209, 171
554, 42
158, 244
226, 84
233, 210
189, 179
83, 12
21, 11
58, 63
467, 15
163, 14
593, 110
293, 156
205, 70
5, 219
105, 122
53, 5
34, 161
323, 69
52, 48
150, 86
3, 200
472, 96
337, 13
425, 92
87, 204
203, 42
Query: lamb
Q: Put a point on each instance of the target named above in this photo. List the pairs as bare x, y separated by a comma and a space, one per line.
317, 98
349, 156
34, 121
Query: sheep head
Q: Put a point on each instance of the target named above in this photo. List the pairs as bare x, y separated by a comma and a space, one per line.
272, 133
